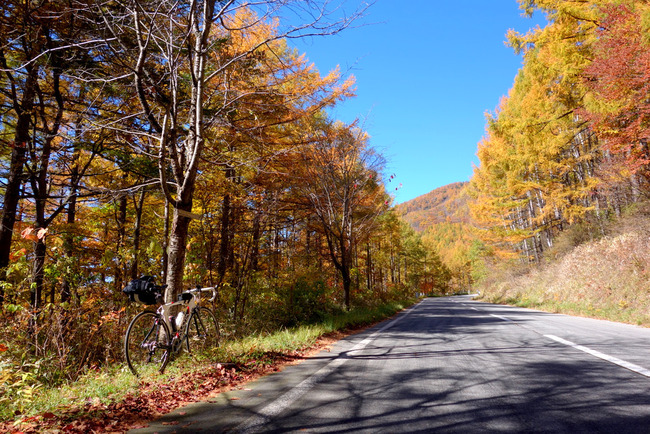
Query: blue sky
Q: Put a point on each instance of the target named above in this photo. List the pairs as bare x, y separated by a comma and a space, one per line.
426, 73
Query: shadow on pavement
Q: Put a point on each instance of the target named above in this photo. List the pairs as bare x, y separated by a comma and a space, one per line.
444, 368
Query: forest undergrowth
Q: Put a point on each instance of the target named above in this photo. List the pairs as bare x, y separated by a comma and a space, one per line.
111, 399
593, 271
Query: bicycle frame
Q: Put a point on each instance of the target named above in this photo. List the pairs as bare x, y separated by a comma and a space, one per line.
154, 337
177, 328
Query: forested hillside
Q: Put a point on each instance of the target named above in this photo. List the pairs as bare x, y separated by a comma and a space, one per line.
569, 143
566, 156
447, 204
442, 217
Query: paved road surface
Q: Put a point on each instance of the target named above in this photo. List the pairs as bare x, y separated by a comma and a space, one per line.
450, 365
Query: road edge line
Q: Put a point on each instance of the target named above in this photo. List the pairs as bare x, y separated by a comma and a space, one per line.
611, 359
254, 423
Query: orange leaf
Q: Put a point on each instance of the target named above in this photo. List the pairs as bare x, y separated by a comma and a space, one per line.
3, 348
18, 254
28, 234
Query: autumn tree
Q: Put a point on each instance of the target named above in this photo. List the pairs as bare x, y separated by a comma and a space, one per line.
538, 159
276, 88
569, 142
22, 39
338, 176
41, 54
619, 80
167, 51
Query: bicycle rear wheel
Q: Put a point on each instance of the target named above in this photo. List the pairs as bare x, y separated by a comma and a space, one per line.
146, 344
202, 330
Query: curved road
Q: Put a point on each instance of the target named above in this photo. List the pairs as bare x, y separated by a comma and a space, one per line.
450, 365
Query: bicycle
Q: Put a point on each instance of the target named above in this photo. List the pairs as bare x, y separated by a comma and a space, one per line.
153, 337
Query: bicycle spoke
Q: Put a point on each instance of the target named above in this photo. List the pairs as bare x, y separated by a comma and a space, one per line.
202, 330
146, 343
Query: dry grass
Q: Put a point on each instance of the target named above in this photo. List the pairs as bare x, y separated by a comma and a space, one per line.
607, 278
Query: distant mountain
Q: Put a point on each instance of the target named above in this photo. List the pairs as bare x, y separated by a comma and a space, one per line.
446, 204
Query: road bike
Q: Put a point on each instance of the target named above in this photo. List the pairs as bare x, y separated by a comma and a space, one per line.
152, 338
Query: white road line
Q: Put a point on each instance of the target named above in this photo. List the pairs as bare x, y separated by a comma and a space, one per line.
258, 422
627, 365
501, 317
611, 359
471, 307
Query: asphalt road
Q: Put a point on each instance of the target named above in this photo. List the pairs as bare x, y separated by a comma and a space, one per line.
450, 365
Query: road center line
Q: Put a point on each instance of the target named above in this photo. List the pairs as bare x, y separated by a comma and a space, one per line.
627, 365
258, 422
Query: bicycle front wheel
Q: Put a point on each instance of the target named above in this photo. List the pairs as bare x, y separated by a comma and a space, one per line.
146, 344
202, 330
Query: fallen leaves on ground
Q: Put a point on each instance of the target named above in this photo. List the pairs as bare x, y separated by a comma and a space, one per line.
154, 399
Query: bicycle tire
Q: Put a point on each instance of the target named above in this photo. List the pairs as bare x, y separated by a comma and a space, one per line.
202, 330
146, 343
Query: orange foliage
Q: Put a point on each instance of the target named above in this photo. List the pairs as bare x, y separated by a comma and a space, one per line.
619, 78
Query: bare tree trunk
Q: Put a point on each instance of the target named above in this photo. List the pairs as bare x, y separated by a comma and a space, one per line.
136, 234
347, 284
392, 264
256, 240
48, 126
368, 266
224, 247
69, 245
120, 266
176, 264
36, 291
165, 255
345, 266
15, 177
69, 238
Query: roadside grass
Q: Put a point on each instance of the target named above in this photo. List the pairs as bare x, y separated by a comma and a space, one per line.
100, 387
294, 339
608, 278
115, 383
